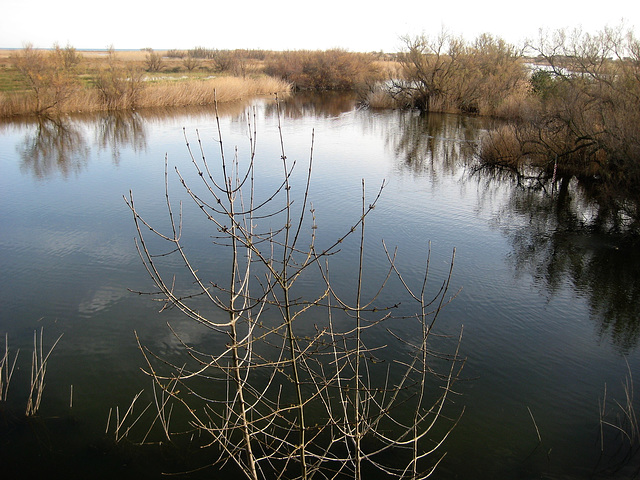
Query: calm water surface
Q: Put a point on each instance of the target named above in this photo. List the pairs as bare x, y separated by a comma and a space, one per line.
550, 311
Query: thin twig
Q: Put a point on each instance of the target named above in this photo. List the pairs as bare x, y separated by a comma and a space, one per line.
535, 425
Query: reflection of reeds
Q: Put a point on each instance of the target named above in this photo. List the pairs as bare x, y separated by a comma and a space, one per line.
38, 369
6, 371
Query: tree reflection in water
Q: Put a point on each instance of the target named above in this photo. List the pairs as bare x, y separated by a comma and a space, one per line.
54, 146
569, 233
575, 233
118, 130
60, 145
570, 236
435, 144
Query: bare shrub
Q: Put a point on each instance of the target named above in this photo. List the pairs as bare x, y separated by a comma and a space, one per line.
190, 62
202, 52
120, 85
153, 61
49, 76
582, 118
334, 69
68, 57
225, 60
300, 386
173, 53
517, 103
446, 74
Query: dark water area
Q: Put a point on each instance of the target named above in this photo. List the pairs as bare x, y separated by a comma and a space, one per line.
549, 306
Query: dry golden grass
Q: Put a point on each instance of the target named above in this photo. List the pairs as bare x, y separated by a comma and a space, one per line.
201, 92
165, 94
380, 99
501, 146
389, 68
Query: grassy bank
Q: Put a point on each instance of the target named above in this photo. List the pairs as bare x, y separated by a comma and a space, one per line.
64, 80
58, 81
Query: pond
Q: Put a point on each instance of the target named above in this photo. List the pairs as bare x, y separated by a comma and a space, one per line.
549, 308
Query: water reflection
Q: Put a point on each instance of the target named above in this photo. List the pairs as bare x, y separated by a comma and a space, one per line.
433, 144
72, 260
62, 145
315, 104
116, 131
558, 240
53, 146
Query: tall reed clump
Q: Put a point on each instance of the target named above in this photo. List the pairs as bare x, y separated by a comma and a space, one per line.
619, 428
39, 362
302, 384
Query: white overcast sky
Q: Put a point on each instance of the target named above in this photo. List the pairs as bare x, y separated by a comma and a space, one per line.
355, 25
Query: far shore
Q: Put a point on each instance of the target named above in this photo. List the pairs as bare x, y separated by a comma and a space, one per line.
65, 80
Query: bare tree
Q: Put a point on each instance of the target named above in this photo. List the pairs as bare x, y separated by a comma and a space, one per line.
582, 118
48, 75
299, 389
445, 73
153, 61
190, 62
119, 85
430, 68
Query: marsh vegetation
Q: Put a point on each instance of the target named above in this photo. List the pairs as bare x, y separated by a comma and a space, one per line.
62, 80
569, 100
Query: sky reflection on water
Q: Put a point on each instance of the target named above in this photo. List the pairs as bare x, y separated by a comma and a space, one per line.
550, 310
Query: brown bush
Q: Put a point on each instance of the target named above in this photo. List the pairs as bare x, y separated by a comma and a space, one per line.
334, 69
50, 77
584, 110
119, 85
447, 74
